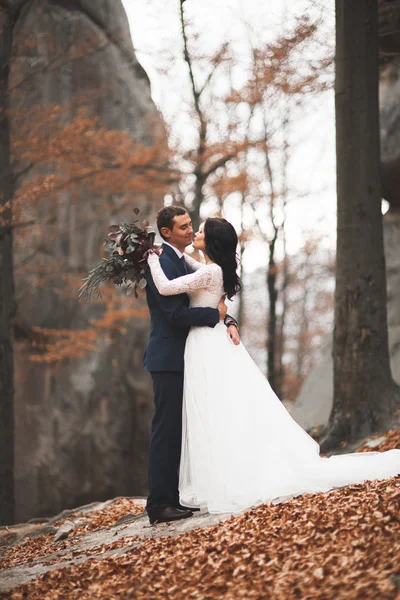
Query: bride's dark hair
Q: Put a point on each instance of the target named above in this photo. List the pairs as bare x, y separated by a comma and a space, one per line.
221, 242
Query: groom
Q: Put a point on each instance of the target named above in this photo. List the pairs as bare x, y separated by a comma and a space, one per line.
171, 319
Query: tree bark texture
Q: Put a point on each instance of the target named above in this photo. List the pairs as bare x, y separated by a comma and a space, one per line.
365, 396
7, 294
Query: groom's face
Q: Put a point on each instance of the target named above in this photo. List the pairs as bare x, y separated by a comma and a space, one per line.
181, 234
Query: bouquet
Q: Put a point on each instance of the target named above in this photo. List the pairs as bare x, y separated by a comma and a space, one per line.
127, 246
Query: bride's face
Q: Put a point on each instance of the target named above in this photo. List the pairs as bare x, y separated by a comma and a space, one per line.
199, 240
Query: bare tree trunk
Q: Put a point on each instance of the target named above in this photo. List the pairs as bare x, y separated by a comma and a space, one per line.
280, 369
194, 211
272, 340
365, 396
198, 171
282, 320
240, 316
304, 325
7, 296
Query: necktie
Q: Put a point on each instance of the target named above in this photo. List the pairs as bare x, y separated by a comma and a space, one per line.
184, 264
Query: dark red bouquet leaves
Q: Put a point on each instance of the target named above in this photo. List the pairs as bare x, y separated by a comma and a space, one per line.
127, 247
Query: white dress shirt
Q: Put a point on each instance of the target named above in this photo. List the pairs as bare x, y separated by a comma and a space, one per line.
178, 252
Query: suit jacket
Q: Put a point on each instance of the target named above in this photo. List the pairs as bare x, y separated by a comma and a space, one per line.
171, 318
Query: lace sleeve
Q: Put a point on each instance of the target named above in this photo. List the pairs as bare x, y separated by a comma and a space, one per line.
193, 263
187, 283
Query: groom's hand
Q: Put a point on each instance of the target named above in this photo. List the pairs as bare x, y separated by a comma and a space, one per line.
222, 309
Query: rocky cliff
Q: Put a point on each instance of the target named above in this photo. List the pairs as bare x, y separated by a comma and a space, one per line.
82, 426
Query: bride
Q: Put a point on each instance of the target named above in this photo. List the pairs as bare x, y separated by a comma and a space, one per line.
240, 446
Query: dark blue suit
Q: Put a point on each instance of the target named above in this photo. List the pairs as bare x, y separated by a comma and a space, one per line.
171, 319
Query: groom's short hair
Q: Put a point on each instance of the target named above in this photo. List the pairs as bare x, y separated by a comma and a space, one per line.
166, 216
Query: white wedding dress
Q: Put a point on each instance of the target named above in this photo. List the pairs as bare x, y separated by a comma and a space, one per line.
240, 446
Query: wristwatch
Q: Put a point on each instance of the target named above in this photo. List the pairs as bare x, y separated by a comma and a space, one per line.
231, 321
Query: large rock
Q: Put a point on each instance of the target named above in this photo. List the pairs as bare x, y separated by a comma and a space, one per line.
389, 95
81, 428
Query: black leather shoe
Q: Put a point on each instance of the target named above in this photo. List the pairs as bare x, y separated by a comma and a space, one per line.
169, 513
181, 507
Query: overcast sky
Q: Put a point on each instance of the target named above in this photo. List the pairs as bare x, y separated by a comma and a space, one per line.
155, 34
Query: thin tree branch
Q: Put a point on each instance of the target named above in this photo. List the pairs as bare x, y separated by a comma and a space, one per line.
188, 60
221, 162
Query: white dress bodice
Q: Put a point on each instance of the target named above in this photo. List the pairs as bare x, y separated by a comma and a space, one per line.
213, 290
204, 286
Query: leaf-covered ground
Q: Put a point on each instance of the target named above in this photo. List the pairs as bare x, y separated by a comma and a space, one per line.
340, 545
30, 549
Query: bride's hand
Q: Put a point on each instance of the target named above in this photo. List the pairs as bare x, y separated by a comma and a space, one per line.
233, 333
154, 250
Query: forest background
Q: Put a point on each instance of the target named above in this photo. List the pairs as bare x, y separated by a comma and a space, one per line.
242, 125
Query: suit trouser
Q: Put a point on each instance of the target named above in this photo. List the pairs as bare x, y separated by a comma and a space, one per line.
165, 440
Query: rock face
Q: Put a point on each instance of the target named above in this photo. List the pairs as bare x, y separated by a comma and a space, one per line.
81, 428
389, 28
390, 132
313, 405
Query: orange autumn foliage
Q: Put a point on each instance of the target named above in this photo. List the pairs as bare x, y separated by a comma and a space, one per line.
275, 67
61, 344
64, 162
341, 545
82, 152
